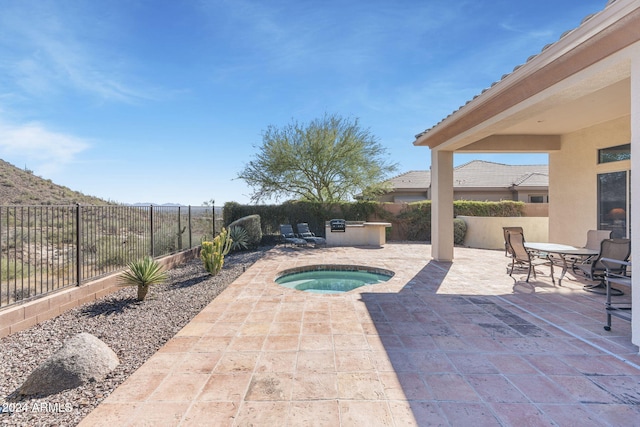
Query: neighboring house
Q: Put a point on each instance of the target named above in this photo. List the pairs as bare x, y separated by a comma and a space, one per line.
577, 100
477, 180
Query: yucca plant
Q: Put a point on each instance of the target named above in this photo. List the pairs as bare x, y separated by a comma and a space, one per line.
239, 237
143, 273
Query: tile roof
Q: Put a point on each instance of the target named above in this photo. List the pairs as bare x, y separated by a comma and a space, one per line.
412, 180
479, 174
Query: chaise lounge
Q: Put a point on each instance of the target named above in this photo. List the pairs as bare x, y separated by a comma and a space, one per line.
305, 233
288, 236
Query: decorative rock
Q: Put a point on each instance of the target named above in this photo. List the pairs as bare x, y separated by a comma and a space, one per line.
81, 359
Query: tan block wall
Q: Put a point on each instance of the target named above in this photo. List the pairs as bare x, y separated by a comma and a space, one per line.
486, 232
19, 317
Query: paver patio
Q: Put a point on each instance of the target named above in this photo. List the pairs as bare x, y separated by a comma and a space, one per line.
439, 344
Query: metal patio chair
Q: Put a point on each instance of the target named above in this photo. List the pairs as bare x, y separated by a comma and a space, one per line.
507, 249
524, 258
620, 309
595, 270
594, 238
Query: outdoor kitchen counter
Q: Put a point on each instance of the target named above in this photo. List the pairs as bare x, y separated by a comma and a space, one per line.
358, 234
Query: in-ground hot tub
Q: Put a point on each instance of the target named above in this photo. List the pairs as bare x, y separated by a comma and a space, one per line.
357, 234
331, 278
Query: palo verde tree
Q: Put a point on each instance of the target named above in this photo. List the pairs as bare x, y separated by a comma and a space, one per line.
329, 160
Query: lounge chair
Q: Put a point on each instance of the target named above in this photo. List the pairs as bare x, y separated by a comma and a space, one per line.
614, 249
288, 236
522, 257
306, 234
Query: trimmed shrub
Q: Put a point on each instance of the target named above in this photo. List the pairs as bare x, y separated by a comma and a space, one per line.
251, 224
459, 230
477, 208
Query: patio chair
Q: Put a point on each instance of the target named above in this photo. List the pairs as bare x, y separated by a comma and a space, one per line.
507, 249
621, 309
524, 258
288, 236
309, 236
594, 269
594, 238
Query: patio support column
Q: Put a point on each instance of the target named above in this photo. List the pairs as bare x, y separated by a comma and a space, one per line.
635, 190
442, 205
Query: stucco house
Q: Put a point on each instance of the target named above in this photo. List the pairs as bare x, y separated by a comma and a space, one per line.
477, 180
577, 100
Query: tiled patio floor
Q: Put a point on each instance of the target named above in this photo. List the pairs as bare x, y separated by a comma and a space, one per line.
439, 344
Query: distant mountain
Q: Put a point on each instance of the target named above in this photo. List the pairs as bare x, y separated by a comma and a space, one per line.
155, 204
22, 187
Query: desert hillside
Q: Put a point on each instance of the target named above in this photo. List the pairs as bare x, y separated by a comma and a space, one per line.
20, 187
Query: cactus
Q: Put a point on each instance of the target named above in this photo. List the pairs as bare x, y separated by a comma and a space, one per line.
212, 253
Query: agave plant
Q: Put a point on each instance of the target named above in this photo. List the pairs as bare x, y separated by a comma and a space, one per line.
143, 273
240, 238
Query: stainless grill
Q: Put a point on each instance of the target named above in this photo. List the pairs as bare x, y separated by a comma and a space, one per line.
338, 225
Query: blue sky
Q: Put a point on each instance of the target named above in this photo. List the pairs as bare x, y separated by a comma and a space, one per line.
165, 101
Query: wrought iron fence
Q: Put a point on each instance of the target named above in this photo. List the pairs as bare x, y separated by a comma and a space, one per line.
47, 248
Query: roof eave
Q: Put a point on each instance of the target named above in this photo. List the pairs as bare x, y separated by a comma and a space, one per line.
600, 35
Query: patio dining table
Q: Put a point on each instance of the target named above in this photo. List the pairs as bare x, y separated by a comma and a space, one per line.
563, 252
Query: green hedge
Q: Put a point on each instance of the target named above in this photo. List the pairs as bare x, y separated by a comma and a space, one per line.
315, 214
414, 219
475, 208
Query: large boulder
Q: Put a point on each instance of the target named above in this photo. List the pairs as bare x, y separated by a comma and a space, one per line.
81, 359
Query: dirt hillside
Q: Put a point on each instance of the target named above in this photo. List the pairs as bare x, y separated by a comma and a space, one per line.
22, 187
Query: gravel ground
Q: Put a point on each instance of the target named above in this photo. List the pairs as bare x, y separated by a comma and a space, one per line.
134, 330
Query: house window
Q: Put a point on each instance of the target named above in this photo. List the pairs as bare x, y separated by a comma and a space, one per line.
614, 154
536, 199
614, 203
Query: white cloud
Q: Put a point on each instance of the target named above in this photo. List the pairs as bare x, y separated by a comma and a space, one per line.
46, 49
48, 150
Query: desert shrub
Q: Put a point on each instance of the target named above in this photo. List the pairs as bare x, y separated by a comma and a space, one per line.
165, 243
251, 224
108, 251
459, 230
415, 219
9, 269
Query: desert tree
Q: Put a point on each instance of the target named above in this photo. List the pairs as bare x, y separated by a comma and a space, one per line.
331, 159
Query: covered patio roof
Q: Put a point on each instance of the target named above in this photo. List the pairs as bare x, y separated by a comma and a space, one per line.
576, 82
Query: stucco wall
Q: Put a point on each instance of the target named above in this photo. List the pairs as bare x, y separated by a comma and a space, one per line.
573, 171
486, 232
